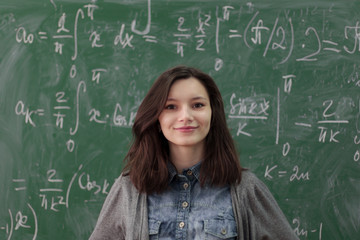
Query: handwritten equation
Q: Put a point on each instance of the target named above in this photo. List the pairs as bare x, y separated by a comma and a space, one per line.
20, 221
212, 30
60, 111
289, 40
54, 196
330, 121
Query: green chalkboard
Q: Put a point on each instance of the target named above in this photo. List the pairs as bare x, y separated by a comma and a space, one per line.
73, 73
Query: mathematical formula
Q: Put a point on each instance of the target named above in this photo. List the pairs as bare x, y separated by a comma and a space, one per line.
279, 35
291, 40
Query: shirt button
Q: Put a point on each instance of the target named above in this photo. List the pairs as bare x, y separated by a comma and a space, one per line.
185, 186
185, 204
181, 224
189, 173
223, 231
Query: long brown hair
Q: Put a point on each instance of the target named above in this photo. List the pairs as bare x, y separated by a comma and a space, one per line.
148, 155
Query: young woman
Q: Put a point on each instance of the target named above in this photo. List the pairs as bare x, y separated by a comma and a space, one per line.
183, 179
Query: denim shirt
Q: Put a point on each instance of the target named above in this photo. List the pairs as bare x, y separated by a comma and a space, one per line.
189, 211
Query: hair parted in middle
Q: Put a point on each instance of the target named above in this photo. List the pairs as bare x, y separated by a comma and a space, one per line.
148, 155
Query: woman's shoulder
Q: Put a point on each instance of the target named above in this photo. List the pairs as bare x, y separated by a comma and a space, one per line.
123, 183
248, 178
250, 184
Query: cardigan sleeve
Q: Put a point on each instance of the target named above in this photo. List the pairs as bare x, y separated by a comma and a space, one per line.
123, 215
259, 215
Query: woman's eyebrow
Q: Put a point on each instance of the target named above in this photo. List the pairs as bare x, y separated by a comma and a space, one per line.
199, 98
194, 98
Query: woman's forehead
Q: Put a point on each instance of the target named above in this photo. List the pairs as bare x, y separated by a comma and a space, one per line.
189, 88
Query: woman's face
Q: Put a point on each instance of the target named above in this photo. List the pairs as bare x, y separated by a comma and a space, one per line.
186, 117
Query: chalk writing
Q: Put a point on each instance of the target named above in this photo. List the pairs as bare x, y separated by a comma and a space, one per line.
77, 72
20, 222
295, 175
301, 232
249, 108
20, 109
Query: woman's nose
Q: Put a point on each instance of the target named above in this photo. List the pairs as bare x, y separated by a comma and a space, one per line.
186, 114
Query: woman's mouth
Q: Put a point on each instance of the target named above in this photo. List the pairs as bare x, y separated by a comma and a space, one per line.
186, 129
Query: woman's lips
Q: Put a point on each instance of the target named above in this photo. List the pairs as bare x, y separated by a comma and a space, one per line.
186, 129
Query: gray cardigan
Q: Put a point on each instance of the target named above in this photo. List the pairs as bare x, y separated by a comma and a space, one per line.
257, 214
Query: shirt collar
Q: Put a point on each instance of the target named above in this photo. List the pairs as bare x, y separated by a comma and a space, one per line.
195, 171
172, 171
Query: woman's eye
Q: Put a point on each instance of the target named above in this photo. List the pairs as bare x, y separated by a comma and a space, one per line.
198, 105
170, 106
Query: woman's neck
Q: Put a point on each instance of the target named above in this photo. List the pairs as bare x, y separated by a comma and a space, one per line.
184, 157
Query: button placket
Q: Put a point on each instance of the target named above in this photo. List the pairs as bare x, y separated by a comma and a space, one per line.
183, 207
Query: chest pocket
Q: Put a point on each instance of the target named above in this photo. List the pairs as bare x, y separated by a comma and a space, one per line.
220, 229
154, 229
